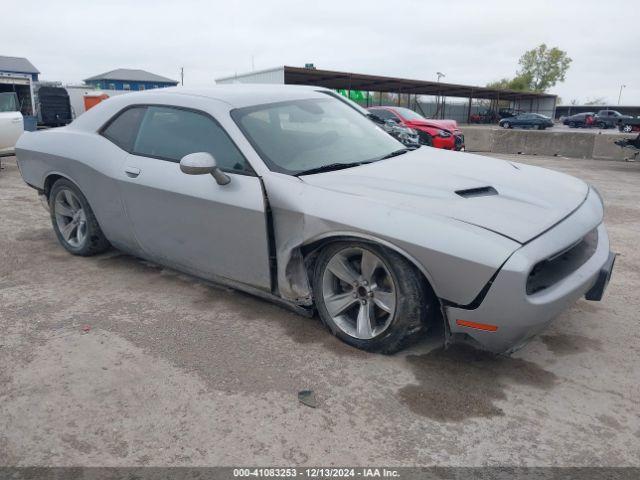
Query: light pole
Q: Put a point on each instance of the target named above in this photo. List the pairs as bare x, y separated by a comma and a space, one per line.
438, 99
620, 94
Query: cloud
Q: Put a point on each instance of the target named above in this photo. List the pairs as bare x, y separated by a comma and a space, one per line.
473, 42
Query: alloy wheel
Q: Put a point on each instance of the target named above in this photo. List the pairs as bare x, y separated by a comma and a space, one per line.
70, 218
359, 293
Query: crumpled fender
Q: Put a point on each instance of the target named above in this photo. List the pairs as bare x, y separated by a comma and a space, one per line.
457, 259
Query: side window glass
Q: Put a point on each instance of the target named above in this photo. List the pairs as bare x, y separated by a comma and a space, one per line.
122, 130
172, 133
383, 114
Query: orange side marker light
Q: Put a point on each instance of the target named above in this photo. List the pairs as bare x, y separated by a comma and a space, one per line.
478, 326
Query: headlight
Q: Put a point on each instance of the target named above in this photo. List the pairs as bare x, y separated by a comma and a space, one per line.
444, 134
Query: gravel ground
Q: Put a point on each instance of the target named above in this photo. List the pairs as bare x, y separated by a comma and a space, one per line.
113, 361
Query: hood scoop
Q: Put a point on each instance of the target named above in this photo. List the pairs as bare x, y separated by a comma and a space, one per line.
477, 192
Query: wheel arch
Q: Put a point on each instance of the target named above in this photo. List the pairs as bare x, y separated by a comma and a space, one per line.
310, 249
51, 178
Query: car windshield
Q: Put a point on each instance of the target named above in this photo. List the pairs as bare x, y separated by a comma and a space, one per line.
302, 135
409, 114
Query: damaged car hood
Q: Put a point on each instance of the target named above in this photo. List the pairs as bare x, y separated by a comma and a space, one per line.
514, 200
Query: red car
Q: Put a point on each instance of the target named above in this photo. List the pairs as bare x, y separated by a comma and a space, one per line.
434, 133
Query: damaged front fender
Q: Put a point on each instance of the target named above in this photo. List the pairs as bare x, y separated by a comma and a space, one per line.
305, 217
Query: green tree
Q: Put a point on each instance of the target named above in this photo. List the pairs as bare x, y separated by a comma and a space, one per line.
516, 83
543, 67
540, 68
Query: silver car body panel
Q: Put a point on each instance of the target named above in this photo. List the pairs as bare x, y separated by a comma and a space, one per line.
519, 316
416, 204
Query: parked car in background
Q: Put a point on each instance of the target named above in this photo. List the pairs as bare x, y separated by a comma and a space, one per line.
580, 120
290, 194
484, 116
527, 120
629, 125
433, 133
507, 113
11, 122
610, 118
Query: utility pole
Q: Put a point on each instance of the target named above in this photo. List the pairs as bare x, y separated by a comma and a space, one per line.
438, 99
182, 76
620, 94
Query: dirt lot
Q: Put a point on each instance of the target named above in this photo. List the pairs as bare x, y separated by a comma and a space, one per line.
175, 372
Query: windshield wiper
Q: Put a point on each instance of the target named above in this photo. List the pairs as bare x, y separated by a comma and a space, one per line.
395, 153
329, 168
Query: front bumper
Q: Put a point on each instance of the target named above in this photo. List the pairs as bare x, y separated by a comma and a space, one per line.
445, 143
518, 316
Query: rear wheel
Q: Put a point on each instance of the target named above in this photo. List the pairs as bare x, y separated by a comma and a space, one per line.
602, 125
626, 128
506, 125
73, 220
370, 297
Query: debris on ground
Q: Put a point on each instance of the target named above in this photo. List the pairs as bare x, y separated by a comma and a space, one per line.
86, 328
308, 397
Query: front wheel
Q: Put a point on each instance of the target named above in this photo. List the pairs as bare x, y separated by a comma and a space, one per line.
370, 297
73, 221
506, 125
626, 128
572, 124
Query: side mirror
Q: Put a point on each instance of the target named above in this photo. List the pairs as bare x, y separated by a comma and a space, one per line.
201, 163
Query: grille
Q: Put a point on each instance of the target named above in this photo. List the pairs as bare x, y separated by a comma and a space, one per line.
550, 271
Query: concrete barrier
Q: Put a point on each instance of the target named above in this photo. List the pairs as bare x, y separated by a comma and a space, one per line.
478, 139
534, 142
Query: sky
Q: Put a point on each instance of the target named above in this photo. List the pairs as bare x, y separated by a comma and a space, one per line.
471, 41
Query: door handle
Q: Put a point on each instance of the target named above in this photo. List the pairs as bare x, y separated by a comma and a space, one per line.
132, 172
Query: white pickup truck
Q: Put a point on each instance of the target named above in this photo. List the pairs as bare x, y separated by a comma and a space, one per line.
11, 123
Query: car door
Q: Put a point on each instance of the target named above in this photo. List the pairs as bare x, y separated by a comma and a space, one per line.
189, 221
518, 120
11, 122
535, 120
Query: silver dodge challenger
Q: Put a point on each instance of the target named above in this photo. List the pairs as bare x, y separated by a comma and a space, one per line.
293, 194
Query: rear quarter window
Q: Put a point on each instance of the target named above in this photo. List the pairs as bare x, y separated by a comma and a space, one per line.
123, 128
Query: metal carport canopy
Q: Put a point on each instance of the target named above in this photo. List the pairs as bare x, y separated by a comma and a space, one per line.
375, 83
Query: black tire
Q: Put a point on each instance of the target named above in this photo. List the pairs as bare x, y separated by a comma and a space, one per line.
415, 308
602, 125
541, 127
94, 241
506, 125
572, 124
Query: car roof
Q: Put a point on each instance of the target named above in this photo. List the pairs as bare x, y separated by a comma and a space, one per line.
244, 95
